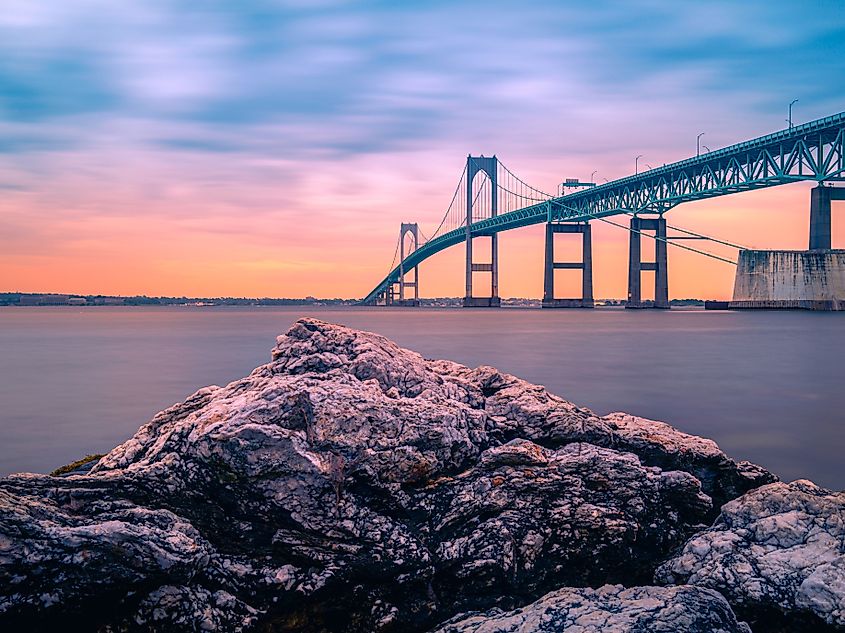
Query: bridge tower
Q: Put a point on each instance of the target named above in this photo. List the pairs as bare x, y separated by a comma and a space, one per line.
585, 266
489, 166
414, 231
636, 265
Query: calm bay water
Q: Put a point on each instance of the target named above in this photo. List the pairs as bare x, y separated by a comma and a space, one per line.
767, 386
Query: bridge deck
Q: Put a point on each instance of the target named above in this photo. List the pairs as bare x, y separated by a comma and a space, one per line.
811, 151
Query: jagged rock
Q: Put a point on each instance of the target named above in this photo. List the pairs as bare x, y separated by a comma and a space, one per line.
659, 444
527, 519
609, 608
779, 549
350, 484
188, 609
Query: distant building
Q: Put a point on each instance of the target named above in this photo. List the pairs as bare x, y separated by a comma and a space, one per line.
43, 300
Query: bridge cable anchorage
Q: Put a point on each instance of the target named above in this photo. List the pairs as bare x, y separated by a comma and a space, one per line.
699, 235
669, 242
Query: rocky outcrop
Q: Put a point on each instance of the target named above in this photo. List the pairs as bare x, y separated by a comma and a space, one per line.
352, 485
609, 608
777, 553
662, 445
517, 408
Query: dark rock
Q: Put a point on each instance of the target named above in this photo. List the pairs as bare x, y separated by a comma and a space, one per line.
527, 519
171, 608
351, 485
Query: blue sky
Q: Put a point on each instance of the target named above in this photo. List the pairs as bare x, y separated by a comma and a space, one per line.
267, 105
370, 77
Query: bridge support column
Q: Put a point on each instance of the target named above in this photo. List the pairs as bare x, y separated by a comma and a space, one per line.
820, 218
820, 198
390, 294
585, 266
636, 265
489, 166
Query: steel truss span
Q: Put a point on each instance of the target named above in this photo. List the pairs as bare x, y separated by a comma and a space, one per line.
814, 151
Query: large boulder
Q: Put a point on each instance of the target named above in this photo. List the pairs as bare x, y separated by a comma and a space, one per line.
777, 553
609, 608
350, 484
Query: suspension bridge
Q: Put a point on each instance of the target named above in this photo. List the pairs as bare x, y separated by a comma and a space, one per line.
489, 198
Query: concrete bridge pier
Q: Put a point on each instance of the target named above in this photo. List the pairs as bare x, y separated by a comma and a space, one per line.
585, 266
389, 295
820, 198
493, 300
636, 266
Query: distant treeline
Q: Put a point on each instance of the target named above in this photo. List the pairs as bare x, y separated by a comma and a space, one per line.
46, 299
53, 299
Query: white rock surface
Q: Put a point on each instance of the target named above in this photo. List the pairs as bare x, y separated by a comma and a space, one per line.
779, 547
609, 609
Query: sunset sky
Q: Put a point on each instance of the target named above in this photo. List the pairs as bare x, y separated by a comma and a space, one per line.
273, 148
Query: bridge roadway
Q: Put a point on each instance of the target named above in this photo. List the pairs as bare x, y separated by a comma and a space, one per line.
812, 151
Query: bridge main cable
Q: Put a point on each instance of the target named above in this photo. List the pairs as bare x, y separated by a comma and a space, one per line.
668, 241
701, 236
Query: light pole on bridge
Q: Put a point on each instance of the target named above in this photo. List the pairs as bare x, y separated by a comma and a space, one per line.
789, 120
698, 144
636, 164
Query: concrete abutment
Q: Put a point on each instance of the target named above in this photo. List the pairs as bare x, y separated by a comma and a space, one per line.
810, 280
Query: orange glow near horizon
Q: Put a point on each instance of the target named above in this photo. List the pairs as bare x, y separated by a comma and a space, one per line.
208, 150
212, 249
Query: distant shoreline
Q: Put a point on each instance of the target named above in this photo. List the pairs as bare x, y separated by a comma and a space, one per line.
24, 299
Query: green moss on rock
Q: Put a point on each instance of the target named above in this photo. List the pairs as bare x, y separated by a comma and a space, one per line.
64, 470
